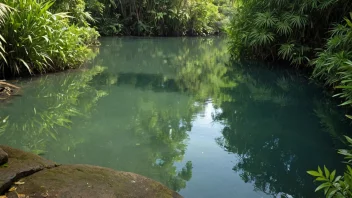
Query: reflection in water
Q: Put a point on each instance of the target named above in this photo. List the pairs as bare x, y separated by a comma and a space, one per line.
148, 112
48, 103
275, 132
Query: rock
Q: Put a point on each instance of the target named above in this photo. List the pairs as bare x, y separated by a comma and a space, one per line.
90, 181
20, 164
3, 157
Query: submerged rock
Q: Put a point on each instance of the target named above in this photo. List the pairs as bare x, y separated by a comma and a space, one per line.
20, 164
90, 181
3, 157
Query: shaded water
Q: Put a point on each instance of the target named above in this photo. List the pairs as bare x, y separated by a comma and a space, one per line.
178, 111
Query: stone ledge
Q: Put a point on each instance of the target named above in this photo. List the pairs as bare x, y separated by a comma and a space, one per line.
20, 164
41, 178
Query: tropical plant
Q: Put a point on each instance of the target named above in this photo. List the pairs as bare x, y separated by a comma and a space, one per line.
160, 17
332, 184
333, 64
37, 41
283, 29
77, 9
4, 11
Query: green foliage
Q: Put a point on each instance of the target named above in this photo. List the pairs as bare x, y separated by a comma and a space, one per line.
77, 9
336, 186
162, 17
297, 31
333, 64
4, 11
35, 40
282, 29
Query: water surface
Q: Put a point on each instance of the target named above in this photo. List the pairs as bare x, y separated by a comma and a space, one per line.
178, 111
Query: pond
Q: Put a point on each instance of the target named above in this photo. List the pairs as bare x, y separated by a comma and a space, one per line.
178, 111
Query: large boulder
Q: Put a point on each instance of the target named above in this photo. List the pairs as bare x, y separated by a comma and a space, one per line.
3, 157
89, 181
20, 164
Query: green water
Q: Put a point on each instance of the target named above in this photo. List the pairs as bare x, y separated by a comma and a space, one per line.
178, 111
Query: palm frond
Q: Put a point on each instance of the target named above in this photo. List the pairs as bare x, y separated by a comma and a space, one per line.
266, 19
283, 28
261, 37
297, 21
4, 10
286, 51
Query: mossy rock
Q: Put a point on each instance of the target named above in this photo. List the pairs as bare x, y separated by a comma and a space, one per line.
4, 157
20, 164
90, 181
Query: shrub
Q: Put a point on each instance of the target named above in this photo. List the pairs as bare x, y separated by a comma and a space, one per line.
38, 41
334, 63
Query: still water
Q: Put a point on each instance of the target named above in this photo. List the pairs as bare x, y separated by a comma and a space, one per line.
178, 111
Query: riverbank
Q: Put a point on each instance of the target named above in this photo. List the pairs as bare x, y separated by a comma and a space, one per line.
24, 174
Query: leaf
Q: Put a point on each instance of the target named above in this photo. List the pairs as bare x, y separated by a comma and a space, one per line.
19, 183
337, 179
349, 168
13, 189
25, 64
4, 165
346, 103
320, 171
46, 38
324, 185
332, 193
314, 173
321, 179
332, 175
327, 172
348, 139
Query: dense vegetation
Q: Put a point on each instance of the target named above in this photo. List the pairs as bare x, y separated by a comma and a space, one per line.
168, 89
38, 36
155, 17
304, 32
34, 40
312, 33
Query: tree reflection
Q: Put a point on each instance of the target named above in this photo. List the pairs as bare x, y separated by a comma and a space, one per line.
272, 123
48, 104
272, 128
144, 123
165, 128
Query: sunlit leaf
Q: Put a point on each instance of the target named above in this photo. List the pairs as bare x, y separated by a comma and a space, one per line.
322, 186
314, 173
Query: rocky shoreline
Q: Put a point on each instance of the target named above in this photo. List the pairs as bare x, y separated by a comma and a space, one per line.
26, 175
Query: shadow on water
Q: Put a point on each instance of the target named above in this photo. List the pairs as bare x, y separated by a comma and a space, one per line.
137, 113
